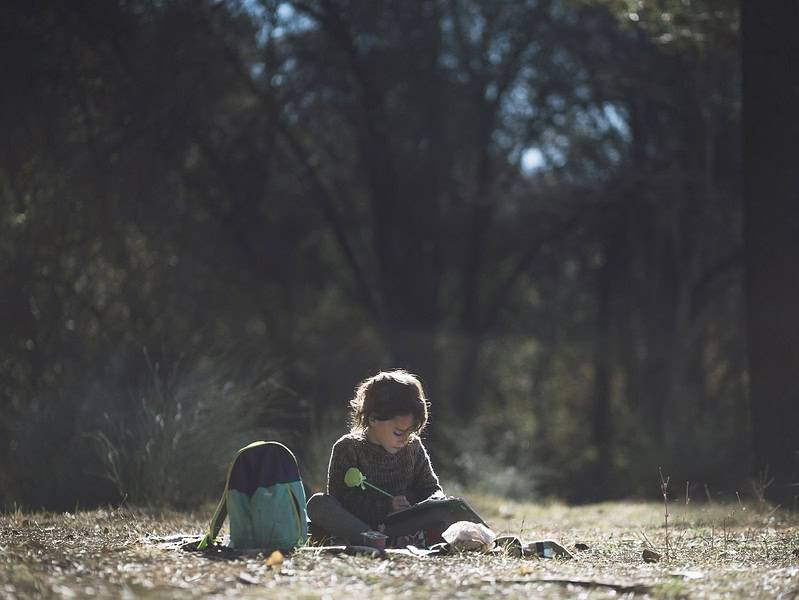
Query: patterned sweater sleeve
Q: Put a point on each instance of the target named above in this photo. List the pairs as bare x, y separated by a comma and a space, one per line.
425, 482
368, 505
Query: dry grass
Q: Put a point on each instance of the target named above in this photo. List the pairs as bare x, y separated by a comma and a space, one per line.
716, 551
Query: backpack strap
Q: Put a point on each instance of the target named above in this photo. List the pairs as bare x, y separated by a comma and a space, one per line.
220, 513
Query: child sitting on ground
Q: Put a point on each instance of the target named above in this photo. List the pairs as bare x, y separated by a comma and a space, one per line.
388, 413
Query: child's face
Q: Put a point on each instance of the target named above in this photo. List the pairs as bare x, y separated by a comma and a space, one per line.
392, 434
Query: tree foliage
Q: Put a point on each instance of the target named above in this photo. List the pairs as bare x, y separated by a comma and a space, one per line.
531, 203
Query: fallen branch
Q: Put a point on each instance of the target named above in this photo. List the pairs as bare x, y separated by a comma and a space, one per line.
587, 583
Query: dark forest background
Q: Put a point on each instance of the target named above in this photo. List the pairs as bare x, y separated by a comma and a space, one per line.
216, 218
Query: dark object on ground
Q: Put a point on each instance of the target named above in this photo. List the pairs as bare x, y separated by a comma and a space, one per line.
509, 544
364, 551
220, 552
519, 549
650, 556
374, 539
546, 549
191, 545
581, 547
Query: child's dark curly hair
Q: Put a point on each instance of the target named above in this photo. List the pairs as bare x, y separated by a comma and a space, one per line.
387, 395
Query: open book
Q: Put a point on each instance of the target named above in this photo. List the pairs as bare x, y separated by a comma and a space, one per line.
433, 516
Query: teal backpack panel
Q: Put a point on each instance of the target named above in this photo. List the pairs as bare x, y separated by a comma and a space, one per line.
264, 499
271, 516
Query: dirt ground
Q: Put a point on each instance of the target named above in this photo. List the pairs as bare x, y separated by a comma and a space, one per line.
708, 551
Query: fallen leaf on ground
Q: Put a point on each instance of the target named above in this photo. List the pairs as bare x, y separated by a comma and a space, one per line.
275, 560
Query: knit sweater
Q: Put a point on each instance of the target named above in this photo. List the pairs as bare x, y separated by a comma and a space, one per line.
407, 473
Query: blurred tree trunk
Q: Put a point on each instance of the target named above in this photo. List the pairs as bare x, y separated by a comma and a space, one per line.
771, 192
602, 422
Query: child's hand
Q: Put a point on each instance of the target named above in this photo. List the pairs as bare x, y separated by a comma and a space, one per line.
399, 502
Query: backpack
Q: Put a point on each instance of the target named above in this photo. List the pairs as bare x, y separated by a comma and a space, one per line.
264, 499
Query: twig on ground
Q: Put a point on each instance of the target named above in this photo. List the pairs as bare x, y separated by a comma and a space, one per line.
622, 588
651, 545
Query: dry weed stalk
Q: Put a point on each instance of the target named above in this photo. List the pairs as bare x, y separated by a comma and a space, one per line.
664, 488
760, 487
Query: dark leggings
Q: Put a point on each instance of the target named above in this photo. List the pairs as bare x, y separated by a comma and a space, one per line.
327, 513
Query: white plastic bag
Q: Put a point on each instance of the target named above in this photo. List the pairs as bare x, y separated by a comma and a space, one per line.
464, 535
